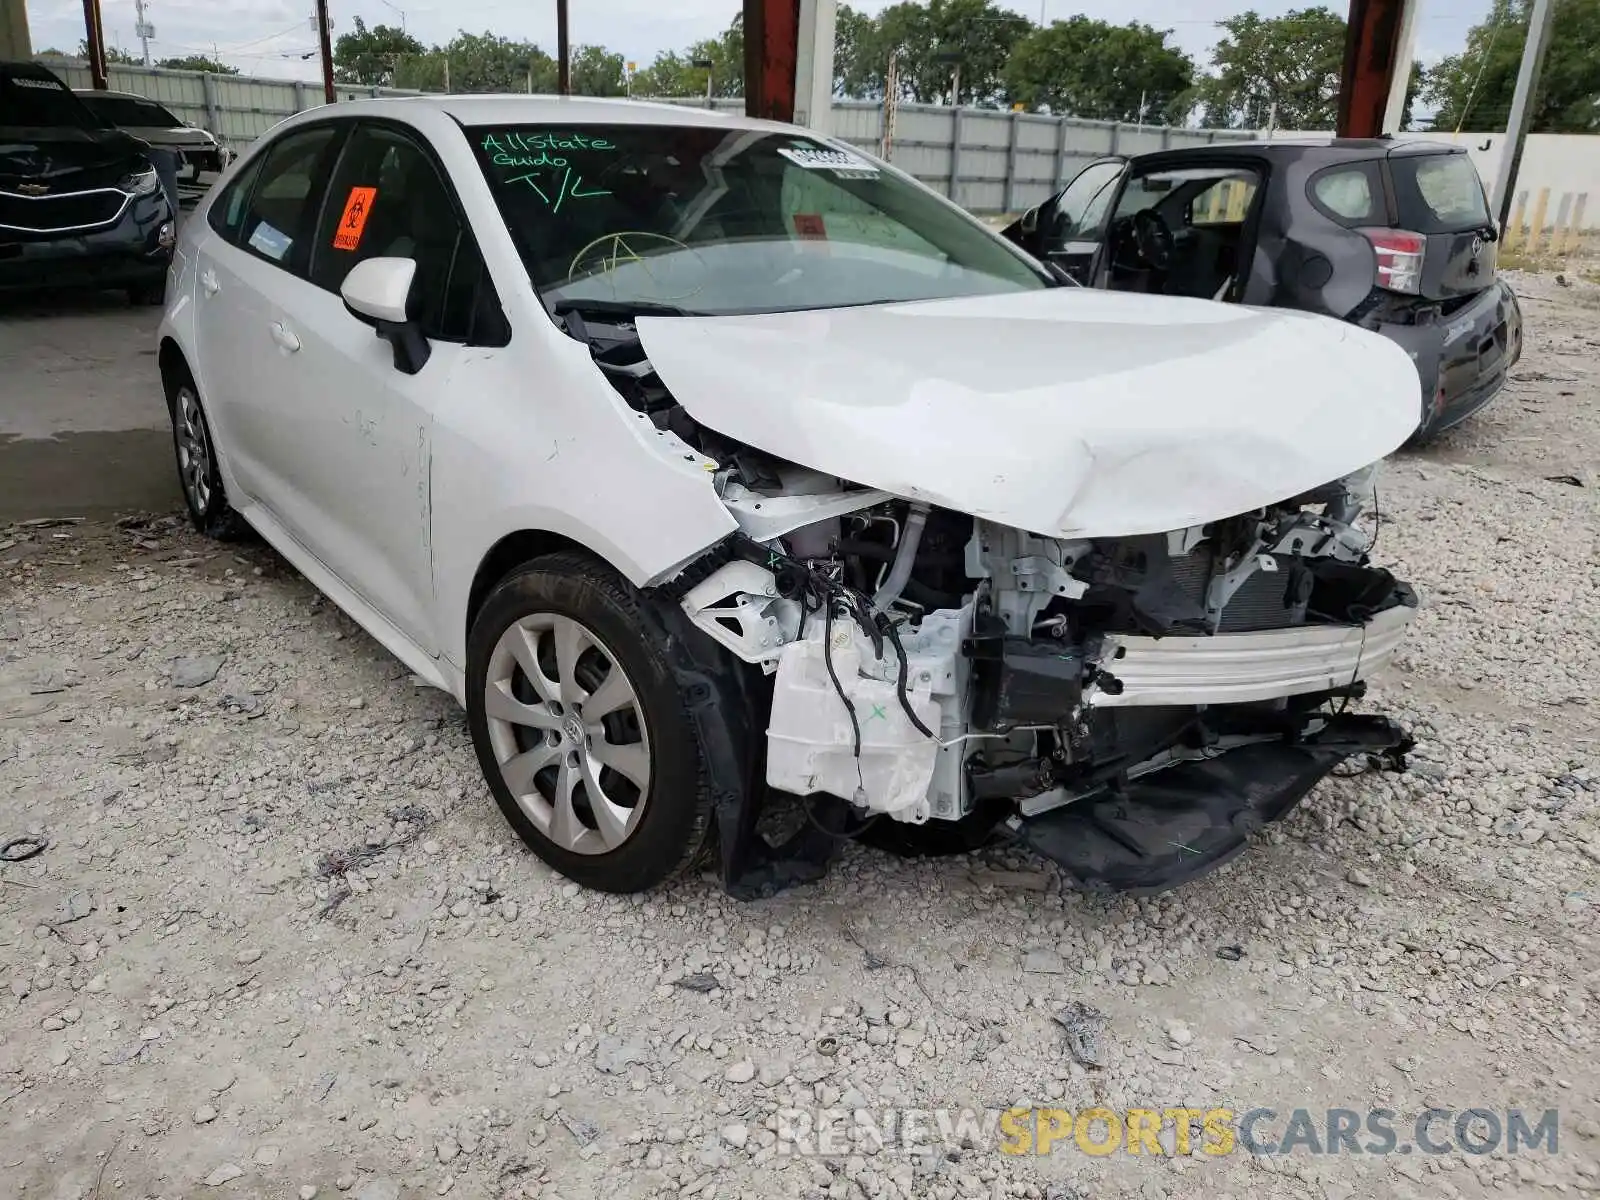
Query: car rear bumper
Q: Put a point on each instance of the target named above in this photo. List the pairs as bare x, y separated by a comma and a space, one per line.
133, 251
1463, 359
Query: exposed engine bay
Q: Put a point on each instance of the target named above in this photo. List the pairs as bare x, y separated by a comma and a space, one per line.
1132, 708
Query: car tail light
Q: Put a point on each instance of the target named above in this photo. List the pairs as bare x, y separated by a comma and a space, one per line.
1399, 258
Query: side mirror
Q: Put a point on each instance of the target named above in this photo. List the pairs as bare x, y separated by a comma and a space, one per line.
1030, 221
378, 292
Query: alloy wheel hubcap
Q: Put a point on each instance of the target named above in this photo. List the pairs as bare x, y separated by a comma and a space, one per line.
569, 733
194, 451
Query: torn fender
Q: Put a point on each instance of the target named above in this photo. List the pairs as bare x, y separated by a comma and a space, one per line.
1066, 412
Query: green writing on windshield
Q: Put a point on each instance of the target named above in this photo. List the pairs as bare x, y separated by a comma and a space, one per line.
511, 148
564, 182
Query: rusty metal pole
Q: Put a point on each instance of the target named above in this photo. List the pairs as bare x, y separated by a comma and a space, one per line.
323, 41
1372, 66
94, 38
563, 51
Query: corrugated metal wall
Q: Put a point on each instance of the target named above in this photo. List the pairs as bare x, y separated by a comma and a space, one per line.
986, 160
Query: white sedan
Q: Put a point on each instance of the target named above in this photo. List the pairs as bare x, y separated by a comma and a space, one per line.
705, 460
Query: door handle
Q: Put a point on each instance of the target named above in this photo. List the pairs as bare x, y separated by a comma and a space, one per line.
285, 337
208, 281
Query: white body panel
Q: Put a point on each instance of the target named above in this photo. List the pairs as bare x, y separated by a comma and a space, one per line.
1067, 412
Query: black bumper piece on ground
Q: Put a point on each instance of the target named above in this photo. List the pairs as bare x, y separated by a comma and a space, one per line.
1161, 831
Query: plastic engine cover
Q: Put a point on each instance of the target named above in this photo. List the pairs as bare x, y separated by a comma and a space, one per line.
810, 743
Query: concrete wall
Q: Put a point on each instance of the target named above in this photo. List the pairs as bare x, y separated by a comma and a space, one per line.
988, 161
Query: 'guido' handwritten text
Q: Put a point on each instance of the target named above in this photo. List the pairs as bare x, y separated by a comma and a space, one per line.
512, 149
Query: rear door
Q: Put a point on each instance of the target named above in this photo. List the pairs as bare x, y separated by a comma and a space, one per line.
249, 269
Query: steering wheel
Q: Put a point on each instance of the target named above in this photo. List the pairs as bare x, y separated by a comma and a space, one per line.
646, 250
1152, 237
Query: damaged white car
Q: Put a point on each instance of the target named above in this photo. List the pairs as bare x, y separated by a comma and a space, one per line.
706, 460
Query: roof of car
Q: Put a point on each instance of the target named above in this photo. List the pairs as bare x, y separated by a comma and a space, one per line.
571, 110
93, 93
1306, 147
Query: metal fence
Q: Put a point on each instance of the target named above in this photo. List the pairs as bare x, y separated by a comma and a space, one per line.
987, 161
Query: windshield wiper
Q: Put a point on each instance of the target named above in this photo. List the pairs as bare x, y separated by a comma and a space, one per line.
618, 308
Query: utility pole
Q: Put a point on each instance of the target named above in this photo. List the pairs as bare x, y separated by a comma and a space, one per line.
328, 93
142, 29
1505, 180
563, 51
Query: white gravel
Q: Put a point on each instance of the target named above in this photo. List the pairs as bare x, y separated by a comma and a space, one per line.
281, 942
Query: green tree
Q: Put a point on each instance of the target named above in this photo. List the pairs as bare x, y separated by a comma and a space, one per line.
597, 72
114, 57
370, 56
479, 62
1474, 89
673, 73
198, 62
1093, 69
1289, 65
853, 43
930, 41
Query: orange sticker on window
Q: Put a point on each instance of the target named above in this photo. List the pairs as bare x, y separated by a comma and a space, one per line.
356, 211
809, 225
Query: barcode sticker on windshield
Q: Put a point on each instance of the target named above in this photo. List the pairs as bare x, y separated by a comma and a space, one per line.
817, 158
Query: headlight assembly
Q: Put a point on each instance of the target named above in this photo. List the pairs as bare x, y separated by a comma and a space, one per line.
141, 183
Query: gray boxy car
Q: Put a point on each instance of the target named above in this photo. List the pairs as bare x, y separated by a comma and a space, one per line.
1393, 236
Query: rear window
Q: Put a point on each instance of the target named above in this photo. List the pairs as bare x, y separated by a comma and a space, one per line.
129, 113
1438, 193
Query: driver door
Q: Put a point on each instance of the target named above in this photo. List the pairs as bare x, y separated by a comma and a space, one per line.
1069, 229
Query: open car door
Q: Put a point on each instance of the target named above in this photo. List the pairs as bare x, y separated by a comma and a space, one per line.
1069, 229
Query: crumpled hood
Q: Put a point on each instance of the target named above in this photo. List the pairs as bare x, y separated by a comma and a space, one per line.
1064, 412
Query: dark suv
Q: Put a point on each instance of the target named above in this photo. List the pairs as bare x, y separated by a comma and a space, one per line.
81, 204
1393, 236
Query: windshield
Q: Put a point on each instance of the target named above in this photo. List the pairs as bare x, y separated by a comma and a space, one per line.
29, 101
128, 112
719, 221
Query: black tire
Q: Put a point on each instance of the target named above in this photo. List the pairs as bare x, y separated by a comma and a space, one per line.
208, 507
674, 825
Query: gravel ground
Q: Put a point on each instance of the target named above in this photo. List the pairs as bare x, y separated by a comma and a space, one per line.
281, 941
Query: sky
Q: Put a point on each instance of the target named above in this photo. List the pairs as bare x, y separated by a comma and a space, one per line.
268, 37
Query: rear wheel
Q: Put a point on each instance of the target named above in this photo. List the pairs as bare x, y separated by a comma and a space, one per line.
581, 727
198, 475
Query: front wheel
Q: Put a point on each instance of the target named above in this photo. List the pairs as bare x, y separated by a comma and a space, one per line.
582, 729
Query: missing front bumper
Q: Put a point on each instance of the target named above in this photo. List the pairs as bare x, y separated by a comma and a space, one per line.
1165, 829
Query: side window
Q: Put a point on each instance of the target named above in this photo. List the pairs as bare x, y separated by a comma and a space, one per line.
1346, 194
226, 215
1226, 202
1080, 212
283, 206
387, 200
